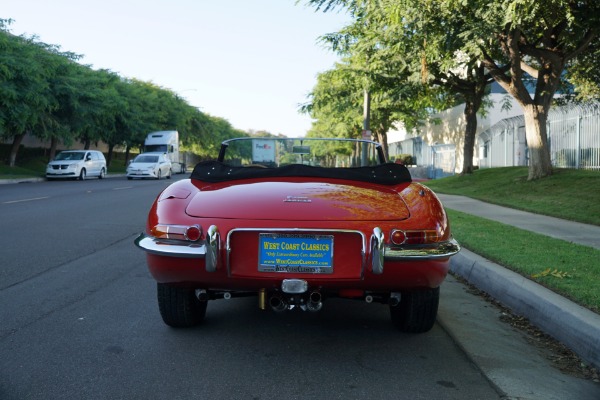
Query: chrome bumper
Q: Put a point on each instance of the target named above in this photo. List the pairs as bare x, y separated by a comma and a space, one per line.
170, 248
207, 249
426, 252
380, 252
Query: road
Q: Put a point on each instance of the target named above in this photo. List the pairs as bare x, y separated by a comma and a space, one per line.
80, 320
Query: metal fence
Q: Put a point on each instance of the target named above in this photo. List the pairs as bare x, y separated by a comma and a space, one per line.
503, 144
573, 137
439, 159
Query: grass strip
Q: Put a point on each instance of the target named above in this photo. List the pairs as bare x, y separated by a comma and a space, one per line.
568, 193
569, 269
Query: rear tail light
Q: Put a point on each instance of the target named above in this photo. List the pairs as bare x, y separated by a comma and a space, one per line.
190, 233
399, 237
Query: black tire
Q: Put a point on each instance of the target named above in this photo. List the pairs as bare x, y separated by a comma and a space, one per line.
170, 173
417, 310
102, 174
158, 174
82, 174
179, 307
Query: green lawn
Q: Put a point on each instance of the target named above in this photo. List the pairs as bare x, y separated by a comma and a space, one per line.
569, 269
568, 194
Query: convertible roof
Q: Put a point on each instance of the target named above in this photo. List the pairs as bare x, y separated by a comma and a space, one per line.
384, 174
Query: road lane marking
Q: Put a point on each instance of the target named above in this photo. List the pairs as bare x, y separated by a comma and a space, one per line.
123, 188
24, 200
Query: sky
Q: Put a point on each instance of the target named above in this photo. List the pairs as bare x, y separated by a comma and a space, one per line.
251, 62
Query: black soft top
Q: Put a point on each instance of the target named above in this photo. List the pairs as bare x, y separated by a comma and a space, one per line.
384, 174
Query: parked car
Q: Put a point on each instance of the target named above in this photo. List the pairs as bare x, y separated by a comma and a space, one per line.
150, 165
296, 222
77, 164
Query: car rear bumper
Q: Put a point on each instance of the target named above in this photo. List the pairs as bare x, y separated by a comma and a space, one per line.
198, 250
168, 248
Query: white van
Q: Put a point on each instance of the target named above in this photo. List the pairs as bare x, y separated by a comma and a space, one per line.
77, 164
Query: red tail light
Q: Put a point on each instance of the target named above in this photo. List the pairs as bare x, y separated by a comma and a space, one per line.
399, 237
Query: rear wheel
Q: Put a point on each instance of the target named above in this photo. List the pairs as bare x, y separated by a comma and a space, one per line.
179, 307
416, 311
102, 174
158, 174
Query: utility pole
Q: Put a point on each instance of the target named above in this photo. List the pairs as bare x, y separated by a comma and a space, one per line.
366, 133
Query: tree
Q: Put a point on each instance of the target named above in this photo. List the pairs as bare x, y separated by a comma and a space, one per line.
522, 44
25, 94
372, 75
46, 93
525, 42
430, 36
414, 47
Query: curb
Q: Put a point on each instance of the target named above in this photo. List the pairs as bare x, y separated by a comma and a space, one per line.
23, 180
34, 180
575, 326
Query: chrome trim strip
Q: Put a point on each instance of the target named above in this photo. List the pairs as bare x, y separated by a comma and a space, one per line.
296, 230
170, 248
422, 252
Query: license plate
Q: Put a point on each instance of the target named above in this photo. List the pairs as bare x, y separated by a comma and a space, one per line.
312, 254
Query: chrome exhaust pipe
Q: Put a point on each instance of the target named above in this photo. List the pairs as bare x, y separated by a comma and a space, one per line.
394, 299
201, 294
277, 303
315, 302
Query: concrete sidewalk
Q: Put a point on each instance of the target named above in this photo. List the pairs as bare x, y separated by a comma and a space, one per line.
517, 368
575, 232
575, 326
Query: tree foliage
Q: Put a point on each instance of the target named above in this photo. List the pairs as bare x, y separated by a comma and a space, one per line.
46, 93
530, 48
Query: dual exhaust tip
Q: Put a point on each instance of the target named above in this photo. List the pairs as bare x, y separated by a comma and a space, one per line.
279, 303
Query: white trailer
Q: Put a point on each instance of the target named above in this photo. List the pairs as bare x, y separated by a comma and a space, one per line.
166, 142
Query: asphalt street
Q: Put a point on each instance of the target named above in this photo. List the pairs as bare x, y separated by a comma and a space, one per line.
503, 355
80, 320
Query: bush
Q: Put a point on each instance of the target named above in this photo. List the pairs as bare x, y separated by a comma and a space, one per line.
405, 159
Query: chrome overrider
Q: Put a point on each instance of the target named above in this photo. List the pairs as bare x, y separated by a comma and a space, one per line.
380, 251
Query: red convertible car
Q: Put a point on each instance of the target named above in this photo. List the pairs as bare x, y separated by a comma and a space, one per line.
295, 222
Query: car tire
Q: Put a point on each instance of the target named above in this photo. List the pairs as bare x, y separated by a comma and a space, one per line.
170, 173
82, 174
179, 307
158, 175
417, 310
102, 174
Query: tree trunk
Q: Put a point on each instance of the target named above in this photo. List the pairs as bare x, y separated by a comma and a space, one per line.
110, 155
53, 145
127, 152
470, 113
86, 143
14, 149
537, 142
382, 139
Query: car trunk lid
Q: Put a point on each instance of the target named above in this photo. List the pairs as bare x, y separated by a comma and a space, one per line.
299, 201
